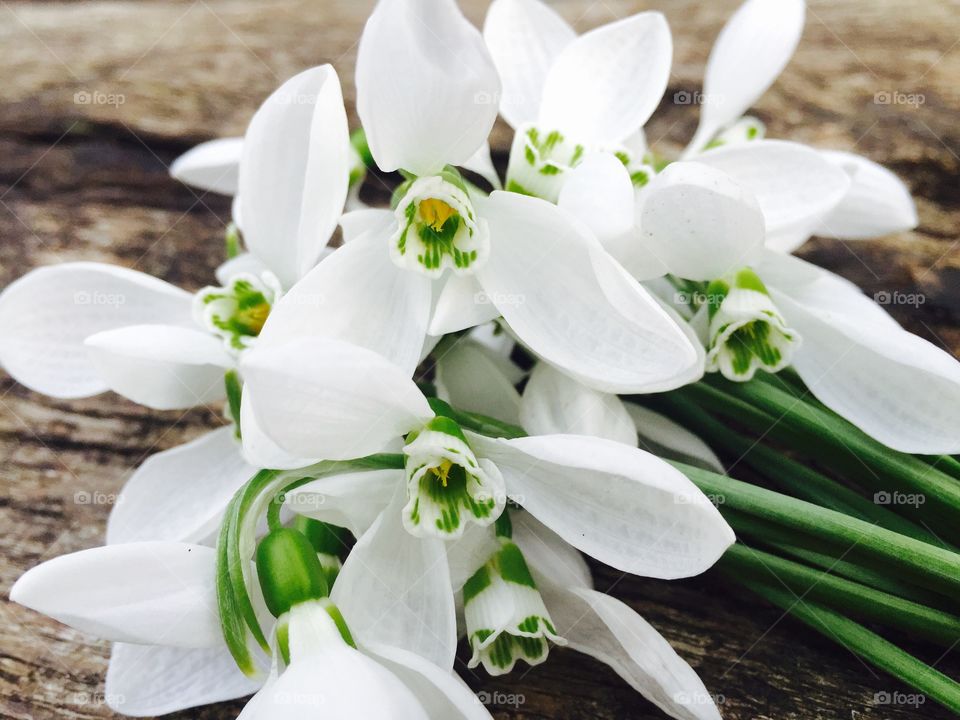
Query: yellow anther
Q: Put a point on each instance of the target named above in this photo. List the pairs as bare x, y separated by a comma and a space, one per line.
435, 213
254, 317
442, 471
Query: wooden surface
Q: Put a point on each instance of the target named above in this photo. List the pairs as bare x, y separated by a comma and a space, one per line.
88, 182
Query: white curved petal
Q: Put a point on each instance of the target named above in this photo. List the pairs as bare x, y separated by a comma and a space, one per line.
482, 164
461, 304
294, 172
357, 295
471, 377
427, 88
150, 680
524, 37
660, 435
395, 589
352, 500
213, 166
893, 385
161, 366
155, 593
598, 192
700, 222
620, 505
320, 397
556, 404
612, 632
751, 51
180, 494
601, 326
877, 203
467, 553
795, 185
357, 223
605, 84
258, 448
551, 560
242, 263
47, 314
443, 694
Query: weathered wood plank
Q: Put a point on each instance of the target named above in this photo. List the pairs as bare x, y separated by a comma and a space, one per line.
88, 181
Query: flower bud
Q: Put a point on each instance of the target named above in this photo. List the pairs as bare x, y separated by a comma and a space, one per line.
289, 571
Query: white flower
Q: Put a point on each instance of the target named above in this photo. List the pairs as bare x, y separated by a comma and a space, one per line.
157, 602
568, 96
425, 107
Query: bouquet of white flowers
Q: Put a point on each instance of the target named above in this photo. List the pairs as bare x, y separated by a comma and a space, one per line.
436, 411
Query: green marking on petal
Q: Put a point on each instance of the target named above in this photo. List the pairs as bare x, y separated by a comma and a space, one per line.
238, 311
447, 485
539, 160
746, 332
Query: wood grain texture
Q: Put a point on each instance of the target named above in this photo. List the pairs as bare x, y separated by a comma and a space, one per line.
89, 181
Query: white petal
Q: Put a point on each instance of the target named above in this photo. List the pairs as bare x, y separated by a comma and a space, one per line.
319, 397
613, 633
701, 222
877, 203
556, 404
620, 505
47, 314
357, 223
149, 680
180, 494
461, 304
598, 192
352, 500
551, 559
482, 164
357, 295
795, 185
659, 435
294, 172
161, 366
155, 593
524, 37
395, 589
470, 377
258, 448
427, 88
213, 166
600, 326
467, 553
606, 83
443, 694
893, 385
751, 51
242, 263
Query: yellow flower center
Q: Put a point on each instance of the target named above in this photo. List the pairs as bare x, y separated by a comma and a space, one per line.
254, 317
442, 472
435, 213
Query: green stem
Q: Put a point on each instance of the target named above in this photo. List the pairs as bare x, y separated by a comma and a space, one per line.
925, 564
868, 645
859, 601
786, 473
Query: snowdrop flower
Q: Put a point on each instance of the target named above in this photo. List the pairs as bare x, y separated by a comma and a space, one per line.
157, 602
567, 96
446, 259
851, 354
751, 51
